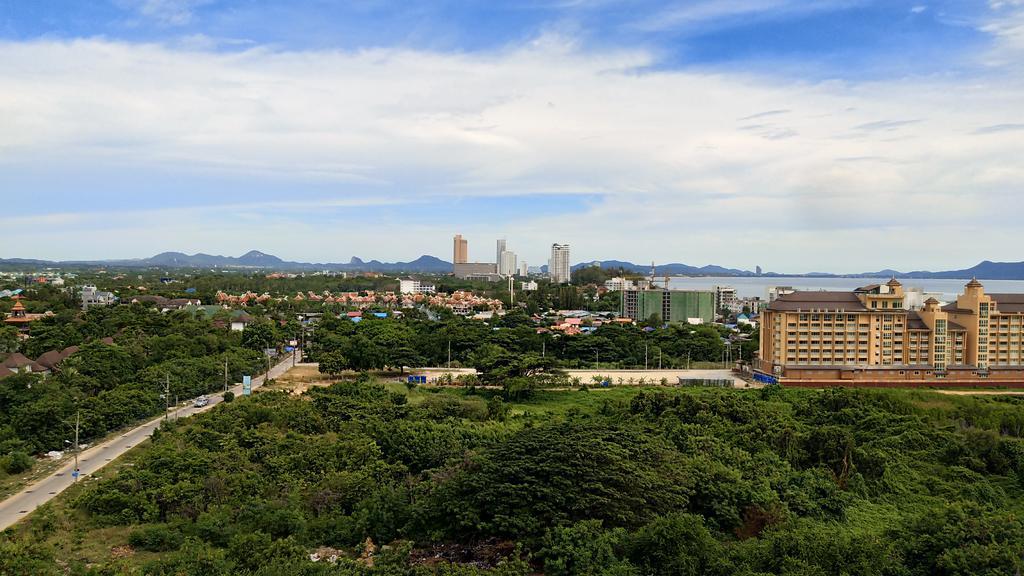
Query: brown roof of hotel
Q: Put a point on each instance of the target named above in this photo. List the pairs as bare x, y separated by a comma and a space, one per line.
914, 321
1009, 302
952, 309
822, 300
5, 372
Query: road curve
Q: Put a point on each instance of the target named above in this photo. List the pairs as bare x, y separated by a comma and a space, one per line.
20, 504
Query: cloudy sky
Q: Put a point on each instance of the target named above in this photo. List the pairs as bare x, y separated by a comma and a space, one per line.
827, 135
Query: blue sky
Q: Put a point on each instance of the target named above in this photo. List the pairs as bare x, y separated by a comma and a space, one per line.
690, 131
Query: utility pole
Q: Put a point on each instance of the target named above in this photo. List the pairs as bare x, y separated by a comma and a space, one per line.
449, 354
78, 415
543, 348
167, 395
659, 358
597, 358
225, 374
645, 355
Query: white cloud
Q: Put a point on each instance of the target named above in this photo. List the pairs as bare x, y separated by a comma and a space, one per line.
673, 155
704, 13
1006, 24
166, 12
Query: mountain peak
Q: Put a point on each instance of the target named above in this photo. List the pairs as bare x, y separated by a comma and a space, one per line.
257, 254
257, 257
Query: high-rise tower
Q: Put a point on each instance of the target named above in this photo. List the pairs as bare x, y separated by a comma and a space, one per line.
558, 266
460, 254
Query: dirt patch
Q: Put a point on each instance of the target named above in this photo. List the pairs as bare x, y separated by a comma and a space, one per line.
299, 379
485, 554
122, 552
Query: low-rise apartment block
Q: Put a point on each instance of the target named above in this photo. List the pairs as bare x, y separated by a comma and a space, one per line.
91, 296
412, 286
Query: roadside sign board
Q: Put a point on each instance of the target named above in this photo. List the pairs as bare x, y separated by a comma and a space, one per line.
246, 385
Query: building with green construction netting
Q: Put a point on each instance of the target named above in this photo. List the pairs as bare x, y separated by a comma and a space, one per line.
672, 306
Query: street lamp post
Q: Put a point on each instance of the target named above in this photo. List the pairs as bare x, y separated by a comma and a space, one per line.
78, 415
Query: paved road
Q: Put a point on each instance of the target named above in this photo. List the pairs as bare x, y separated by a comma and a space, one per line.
22, 503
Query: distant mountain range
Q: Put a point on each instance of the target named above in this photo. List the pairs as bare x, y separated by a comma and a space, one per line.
674, 269
256, 260
253, 259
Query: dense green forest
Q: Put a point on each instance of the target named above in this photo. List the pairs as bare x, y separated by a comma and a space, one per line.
416, 341
115, 384
599, 482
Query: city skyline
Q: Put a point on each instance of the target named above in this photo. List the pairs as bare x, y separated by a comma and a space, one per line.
639, 131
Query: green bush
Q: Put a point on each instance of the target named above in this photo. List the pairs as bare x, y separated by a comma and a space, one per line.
157, 538
17, 462
229, 396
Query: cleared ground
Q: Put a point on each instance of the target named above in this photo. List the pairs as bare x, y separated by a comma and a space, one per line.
617, 377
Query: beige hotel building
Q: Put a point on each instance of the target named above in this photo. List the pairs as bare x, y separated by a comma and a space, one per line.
868, 338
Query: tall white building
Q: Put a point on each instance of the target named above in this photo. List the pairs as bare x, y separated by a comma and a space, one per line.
524, 270
558, 265
497, 253
507, 263
505, 259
